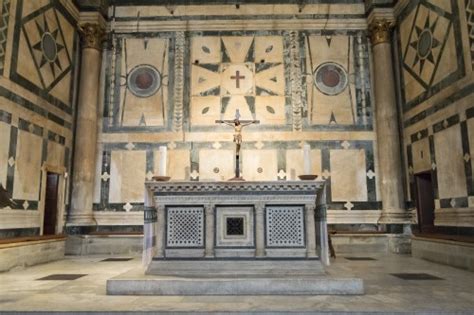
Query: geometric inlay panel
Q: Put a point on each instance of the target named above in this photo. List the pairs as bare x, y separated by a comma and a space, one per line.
185, 227
285, 226
235, 226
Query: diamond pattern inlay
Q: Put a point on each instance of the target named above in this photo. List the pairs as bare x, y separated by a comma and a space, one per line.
285, 226
185, 227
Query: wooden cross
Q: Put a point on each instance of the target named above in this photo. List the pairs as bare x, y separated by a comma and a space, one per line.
238, 125
237, 78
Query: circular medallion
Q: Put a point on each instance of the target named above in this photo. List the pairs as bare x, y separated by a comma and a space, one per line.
48, 46
260, 170
425, 42
330, 78
144, 80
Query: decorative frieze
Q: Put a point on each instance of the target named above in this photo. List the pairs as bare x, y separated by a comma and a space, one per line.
295, 79
178, 81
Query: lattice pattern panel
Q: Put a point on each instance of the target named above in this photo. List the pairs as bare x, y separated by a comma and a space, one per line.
285, 226
185, 227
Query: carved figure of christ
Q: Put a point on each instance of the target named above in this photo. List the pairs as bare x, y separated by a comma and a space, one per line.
238, 125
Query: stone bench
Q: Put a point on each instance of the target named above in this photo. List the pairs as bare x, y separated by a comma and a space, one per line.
29, 251
109, 243
448, 250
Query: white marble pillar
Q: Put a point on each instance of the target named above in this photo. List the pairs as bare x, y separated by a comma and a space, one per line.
210, 232
388, 137
310, 231
86, 128
260, 230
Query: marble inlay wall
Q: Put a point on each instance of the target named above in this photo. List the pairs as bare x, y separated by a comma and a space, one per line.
37, 66
172, 71
437, 82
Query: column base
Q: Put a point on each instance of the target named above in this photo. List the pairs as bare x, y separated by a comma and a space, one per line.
81, 220
395, 217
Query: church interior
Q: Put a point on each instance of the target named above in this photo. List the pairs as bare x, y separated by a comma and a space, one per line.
217, 143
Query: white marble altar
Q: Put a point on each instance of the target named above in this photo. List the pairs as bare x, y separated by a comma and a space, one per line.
234, 238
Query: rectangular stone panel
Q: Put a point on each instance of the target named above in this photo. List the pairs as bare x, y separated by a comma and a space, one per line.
348, 175
4, 148
450, 163
421, 155
259, 164
55, 154
127, 175
295, 163
27, 166
216, 164
227, 226
178, 164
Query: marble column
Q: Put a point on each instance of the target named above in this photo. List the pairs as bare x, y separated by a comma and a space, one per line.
388, 137
260, 230
161, 231
210, 232
86, 128
310, 231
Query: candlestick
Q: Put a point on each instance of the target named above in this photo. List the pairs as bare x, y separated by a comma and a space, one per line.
307, 159
163, 157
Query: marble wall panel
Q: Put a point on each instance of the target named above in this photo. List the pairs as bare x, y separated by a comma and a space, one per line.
127, 175
216, 164
470, 132
348, 175
27, 166
450, 163
295, 163
259, 164
143, 95
421, 156
178, 164
56, 154
338, 107
432, 57
4, 148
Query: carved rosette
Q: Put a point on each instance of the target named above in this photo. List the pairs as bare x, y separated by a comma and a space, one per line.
380, 31
92, 35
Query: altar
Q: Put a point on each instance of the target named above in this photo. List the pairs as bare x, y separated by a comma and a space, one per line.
234, 237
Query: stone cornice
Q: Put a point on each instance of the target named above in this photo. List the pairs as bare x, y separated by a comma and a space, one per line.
244, 188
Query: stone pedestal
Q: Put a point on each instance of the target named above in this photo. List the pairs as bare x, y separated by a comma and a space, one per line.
388, 137
86, 129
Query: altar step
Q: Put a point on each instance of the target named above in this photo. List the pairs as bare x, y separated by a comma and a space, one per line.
135, 282
231, 267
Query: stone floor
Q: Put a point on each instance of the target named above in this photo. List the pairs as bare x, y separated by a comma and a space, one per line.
21, 291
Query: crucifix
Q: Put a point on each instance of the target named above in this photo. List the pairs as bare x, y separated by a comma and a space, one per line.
237, 78
238, 125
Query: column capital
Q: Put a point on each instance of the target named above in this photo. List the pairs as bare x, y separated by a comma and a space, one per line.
209, 209
380, 31
92, 35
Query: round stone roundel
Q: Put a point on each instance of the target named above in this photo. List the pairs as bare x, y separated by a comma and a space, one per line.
144, 80
48, 45
330, 78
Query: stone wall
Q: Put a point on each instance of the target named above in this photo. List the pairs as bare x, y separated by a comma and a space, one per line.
303, 71
435, 48
37, 72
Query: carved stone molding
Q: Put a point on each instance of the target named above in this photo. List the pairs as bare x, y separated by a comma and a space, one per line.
380, 31
92, 35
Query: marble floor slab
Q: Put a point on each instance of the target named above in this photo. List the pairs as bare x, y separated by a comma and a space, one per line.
21, 291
